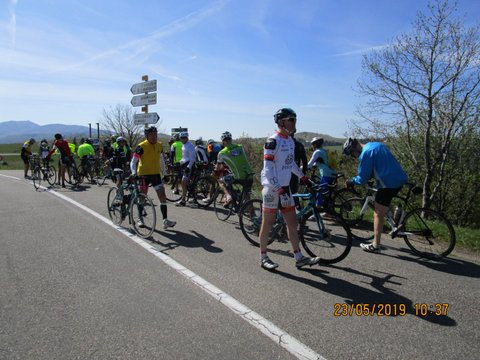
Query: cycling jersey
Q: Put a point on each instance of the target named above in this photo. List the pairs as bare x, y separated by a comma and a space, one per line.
119, 159
320, 159
63, 147
176, 150
213, 150
376, 161
279, 162
85, 149
234, 157
27, 148
201, 153
188, 155
44, 149
148, 157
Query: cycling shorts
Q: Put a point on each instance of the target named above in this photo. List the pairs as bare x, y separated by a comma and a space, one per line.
271, 200
384, 196
154, 180
25, 159
246, 184
64, 161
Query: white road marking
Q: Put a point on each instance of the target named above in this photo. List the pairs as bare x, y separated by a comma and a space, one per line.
279, 336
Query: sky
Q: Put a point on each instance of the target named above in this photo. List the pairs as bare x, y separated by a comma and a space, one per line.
223, 65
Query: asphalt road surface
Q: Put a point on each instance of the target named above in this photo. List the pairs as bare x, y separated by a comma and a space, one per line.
75, 287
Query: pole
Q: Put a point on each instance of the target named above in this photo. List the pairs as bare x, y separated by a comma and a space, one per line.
98, 131
90, 130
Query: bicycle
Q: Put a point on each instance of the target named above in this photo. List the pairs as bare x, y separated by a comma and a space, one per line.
239, 197
135, 205
73, 175
42, 171
327, 237
426, 232
199, 188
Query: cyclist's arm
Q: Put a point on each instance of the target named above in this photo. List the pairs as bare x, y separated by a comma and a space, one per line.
313, 159
269, 168
365, 169
135, 158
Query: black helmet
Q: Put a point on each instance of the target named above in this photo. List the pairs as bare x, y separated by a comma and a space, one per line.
177, 136
150, 129
199, 141
349, 145
89, 141
283, 114
58, 136
226, 136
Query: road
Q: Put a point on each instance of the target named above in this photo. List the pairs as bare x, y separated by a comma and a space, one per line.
73, 287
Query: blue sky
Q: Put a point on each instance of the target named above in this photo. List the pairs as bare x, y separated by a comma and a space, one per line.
220, 65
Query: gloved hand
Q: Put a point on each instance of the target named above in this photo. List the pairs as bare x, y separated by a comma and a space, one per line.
349, 184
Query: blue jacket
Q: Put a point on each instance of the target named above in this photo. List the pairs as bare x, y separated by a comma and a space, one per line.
376, 161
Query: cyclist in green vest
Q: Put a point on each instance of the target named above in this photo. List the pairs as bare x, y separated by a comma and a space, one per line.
176, 149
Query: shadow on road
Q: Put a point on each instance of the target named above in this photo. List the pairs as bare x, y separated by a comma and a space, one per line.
193, 240
383, 298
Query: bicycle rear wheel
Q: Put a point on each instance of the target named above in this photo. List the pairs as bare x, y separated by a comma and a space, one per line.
221, 212
250, 220
204, 190
142, 215
51, 175
342, 195
327, 237
173, 188
37, 177
428, 233
360, 223
116, 209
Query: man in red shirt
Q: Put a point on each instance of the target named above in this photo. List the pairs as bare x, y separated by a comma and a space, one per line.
65, 156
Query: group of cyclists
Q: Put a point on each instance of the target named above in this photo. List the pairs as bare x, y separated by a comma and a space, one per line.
284, 167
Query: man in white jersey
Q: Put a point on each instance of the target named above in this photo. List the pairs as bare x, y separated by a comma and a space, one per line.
187, 162
278, 166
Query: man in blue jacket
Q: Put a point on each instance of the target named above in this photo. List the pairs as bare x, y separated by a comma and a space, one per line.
376, 161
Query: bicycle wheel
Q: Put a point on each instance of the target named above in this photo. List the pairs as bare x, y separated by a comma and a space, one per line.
360, 221
250, 220
76, 177
204, 190
99, 175
428, 233
142, 215
51, 175
37, 177
116, 209
221, 212
173, 188
327, 237
342, 195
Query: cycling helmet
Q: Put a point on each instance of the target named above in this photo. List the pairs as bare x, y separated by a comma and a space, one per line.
58, 136
176, 137
44, 141
210, 141
32, 141
183, 134
150, 129
199, 141
317, 140
226, 136
120, 138
283, 114
89, 141
348, 146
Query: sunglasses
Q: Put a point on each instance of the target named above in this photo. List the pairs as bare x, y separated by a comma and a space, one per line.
290, 119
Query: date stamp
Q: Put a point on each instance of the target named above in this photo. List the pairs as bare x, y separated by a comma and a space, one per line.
387, 309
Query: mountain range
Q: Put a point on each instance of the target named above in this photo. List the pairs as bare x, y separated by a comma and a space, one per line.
18, 131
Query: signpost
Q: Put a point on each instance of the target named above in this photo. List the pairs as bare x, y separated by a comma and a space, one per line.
144, 100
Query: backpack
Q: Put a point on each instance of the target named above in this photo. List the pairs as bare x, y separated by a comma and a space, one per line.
332, 159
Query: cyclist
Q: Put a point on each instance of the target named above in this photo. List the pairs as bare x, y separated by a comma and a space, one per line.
126, 149
213, 149
65, 156
149, 160
86, 153
233, 156
278, 166
176, 149
25, 154
187, 163
320, 160
201, 151
376, 161
301, 160
118, 161
44, 149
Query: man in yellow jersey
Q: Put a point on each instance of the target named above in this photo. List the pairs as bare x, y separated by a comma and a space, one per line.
25, 155
149, 160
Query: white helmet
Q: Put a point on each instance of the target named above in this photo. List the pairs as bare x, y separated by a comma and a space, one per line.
183, 134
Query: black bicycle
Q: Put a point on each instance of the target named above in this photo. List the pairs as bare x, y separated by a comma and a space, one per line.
239, 195
42, 171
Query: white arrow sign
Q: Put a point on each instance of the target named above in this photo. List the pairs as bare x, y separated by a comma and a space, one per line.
141, 100
143, 87
149, 118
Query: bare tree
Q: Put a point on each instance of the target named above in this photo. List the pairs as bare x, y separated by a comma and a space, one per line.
423, 89
120, 121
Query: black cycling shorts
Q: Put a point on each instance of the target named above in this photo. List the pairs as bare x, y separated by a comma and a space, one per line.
384, 196
25, 159
246, 183
155, 180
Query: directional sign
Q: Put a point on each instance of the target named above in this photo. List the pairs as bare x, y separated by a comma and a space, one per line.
149, 118
144, 87
140, 100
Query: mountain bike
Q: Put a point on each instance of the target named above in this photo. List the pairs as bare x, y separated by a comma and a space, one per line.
239, 197
327, 237
128, 201
427, 232
42, 171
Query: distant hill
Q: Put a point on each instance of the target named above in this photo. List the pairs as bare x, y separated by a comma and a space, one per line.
18, 131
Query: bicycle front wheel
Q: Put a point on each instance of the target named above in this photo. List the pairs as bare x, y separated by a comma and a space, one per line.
116, 209
327, 237
203, 191
221, 212
51, 175
142, 215
250, 220
428, 233
37, 177
173, 187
